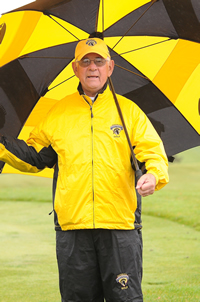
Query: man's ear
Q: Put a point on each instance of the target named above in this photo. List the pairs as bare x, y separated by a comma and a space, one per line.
111, 67
74, 66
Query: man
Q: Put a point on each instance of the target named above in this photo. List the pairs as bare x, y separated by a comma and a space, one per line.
99, 249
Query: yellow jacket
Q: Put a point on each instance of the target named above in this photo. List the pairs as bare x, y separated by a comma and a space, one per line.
94, 183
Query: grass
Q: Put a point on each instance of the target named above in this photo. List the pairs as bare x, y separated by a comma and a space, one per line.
25, 188
28, 267
179, 201
171, 261
171, 236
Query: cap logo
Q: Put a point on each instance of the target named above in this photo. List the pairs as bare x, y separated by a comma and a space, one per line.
91, 42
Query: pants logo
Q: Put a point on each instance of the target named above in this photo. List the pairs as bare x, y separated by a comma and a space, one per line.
122, 279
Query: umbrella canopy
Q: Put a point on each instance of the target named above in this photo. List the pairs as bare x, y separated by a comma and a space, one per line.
155, 45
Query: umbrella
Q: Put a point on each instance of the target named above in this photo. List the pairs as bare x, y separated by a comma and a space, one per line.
155, 45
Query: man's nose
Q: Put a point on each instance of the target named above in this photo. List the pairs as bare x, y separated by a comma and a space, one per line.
92, 65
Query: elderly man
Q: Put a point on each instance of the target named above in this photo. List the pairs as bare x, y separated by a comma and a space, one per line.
99, 249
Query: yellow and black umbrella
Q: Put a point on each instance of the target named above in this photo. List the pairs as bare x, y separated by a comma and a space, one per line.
155, 45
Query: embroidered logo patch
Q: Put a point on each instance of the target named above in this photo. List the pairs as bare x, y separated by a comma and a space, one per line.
116, 129
122, 279
91, 42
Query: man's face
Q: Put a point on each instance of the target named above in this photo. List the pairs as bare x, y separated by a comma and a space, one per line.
93, 77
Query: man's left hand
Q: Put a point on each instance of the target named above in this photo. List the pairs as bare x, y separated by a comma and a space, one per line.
146, 184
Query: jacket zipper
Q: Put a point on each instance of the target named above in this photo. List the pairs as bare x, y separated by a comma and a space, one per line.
92, 140
92, 132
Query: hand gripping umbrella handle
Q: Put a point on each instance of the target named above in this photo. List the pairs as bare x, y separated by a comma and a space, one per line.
138, 172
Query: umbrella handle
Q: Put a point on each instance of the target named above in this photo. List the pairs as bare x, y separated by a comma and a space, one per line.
138, 172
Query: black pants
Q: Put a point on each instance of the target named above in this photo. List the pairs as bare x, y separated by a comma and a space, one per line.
98, 264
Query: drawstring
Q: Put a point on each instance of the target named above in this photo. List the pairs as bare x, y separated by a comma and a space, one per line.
51, 212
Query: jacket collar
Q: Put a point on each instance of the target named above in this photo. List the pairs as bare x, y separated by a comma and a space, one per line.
81, 92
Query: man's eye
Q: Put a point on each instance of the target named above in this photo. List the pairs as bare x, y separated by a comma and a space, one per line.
98, 60
85, 61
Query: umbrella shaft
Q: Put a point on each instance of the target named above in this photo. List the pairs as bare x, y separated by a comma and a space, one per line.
123, 124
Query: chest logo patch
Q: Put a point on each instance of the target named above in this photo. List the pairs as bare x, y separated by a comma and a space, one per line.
116, 129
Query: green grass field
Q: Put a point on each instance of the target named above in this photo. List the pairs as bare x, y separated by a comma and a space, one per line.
171, 233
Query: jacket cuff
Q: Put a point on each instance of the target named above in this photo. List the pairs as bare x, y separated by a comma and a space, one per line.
154, 174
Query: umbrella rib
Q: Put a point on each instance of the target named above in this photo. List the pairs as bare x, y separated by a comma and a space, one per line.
38, 57
103, 17
64, 28
139, 75
97, 17
60, 83
143, 47
153, 1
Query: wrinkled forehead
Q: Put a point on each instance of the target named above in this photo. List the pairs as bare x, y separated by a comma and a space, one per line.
92, 55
